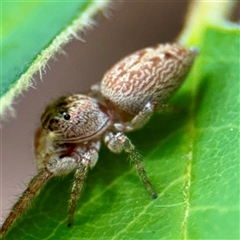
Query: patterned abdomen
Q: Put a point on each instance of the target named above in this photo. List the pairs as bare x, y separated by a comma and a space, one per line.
151, 74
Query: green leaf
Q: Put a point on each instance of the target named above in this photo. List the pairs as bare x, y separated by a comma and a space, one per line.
32, 33
191, 157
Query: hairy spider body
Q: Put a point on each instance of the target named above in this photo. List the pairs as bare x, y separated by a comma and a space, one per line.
73, 127
148, 75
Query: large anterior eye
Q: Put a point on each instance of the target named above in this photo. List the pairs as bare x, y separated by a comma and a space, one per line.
66, 116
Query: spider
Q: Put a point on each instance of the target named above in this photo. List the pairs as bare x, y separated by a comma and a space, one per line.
73, 127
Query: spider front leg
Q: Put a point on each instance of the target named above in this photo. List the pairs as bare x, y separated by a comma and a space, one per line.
55, 166
24, 201
118, 143
89, 159
59, 160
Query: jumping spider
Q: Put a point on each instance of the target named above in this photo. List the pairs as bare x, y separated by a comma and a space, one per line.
73, 127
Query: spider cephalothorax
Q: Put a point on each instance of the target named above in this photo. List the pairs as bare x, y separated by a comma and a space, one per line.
73, 127
77, 118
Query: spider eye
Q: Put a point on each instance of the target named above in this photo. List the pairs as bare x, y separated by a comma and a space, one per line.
51, 124
66, 116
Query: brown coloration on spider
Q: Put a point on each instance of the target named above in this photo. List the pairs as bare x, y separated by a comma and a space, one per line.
148, 75
24, 201
76, 118
73, 127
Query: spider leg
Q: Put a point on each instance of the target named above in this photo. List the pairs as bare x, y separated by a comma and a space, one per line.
89, 159
138, 121
23, 202
118, 143
166, 109
79, 178
143, 116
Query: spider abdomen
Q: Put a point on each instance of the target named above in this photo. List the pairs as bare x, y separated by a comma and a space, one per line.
151, 74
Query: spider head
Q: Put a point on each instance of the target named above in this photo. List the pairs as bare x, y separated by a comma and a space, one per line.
74, 119
55, 114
